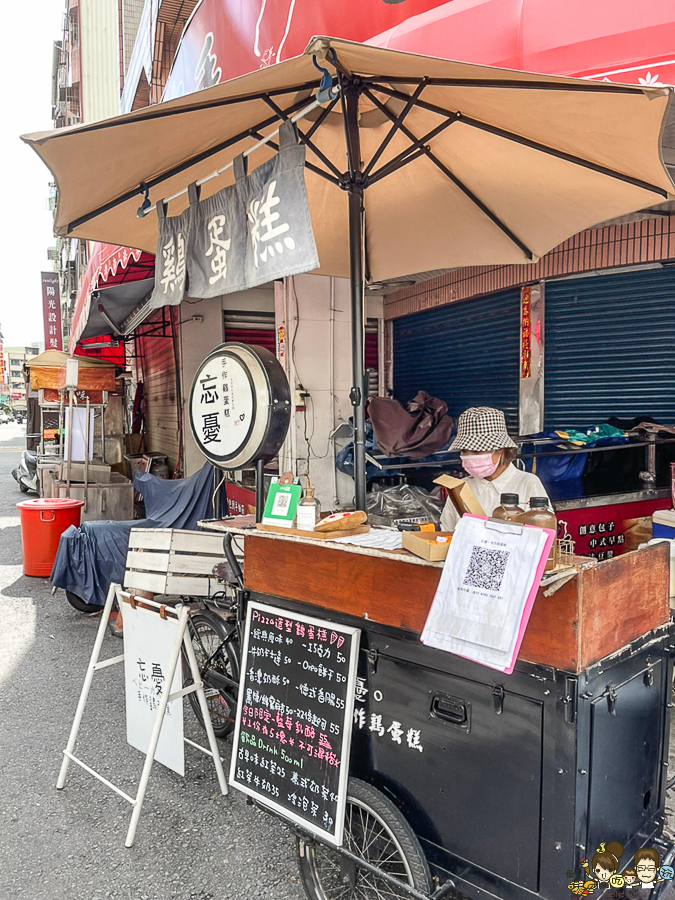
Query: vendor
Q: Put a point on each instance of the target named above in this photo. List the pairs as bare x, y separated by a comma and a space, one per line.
487, 454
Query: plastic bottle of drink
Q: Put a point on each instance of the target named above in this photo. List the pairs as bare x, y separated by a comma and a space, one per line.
541, 515
509, 511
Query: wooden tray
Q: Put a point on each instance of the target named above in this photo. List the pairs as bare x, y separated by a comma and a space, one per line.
316, 535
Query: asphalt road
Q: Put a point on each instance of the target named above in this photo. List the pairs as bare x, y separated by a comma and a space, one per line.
191, 843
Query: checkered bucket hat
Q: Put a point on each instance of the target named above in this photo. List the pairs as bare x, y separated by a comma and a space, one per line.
483, 429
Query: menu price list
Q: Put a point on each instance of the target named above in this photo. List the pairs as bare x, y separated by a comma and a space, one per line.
294, 716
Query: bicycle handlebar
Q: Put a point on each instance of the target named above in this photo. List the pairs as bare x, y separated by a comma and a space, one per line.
233, 561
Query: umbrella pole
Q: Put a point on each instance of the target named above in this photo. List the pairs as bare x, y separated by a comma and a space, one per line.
355, 190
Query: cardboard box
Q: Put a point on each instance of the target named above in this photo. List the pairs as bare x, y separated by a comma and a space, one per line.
461, 495
424, 544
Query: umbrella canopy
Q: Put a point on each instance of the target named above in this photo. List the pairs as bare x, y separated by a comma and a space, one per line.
500, 166
448, 164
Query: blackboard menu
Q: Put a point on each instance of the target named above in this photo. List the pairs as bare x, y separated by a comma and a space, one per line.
294, 717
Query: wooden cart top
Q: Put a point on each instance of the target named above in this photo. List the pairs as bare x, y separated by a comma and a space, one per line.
249, 531
596, 613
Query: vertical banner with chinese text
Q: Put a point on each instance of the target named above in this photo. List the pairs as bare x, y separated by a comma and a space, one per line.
531, 381
51, 311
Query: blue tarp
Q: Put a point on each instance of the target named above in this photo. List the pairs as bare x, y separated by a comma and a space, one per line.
89, 558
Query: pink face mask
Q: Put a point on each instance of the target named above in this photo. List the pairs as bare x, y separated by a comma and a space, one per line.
481, 466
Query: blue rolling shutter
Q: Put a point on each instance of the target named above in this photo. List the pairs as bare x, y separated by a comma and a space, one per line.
466, 353
610, 348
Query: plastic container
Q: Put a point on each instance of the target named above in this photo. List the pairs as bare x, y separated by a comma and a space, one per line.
672, 563
509, 511
43, 521
541, 515
663, 523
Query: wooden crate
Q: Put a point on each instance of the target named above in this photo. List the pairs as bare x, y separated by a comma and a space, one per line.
596, 613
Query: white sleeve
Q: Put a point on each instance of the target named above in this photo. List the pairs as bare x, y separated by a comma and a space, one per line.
534, 488
449, 516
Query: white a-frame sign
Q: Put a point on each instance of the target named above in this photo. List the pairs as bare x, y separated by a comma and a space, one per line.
153, 637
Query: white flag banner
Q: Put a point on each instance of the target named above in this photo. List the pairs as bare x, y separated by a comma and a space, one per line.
148, 644
487, 590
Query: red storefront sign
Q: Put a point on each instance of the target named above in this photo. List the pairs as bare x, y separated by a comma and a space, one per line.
240, 499
228, 38
611, 40
603, 531
51, 311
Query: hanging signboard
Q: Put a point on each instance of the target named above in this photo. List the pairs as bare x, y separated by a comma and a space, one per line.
148, 644
294, 717
240, 406
51, 311
247, 234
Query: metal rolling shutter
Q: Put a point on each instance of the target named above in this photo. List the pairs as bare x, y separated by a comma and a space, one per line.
466, 353
251, 328
610, 348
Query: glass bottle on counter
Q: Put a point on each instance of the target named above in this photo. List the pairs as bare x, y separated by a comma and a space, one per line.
541, 515
308, 512
509, 511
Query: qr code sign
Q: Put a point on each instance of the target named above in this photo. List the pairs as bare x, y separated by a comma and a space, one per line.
486, 568
281, 504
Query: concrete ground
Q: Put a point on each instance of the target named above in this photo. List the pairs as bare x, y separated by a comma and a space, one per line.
191, 843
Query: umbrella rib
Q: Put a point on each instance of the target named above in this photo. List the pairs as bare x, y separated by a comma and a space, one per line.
177, 169
395, 126
409, 153
156, 113
479, 203
320, 119
420, 142
303, 137
308, 165
586, 87
534, 145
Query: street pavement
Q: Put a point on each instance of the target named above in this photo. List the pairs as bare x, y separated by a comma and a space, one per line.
191, 843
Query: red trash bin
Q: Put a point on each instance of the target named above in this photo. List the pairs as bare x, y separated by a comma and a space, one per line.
43, 521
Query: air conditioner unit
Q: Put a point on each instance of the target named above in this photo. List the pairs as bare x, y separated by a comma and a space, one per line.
52, 254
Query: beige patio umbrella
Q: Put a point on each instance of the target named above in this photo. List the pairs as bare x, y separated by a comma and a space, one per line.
451, 164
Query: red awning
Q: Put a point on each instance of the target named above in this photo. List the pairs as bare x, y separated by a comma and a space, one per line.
616, 40
107, 265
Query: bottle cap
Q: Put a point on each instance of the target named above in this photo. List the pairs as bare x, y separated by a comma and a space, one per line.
509, 499
539, 503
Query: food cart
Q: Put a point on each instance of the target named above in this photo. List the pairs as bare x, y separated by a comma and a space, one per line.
463, 779
507, 781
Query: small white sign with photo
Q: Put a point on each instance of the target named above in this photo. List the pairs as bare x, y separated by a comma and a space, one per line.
148, 644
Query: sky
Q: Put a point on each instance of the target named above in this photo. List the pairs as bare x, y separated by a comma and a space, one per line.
26, 224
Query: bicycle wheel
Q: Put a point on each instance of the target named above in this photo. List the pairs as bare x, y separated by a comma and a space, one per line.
375, 831
208, 631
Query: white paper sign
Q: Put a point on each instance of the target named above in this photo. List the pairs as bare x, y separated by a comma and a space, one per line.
82, 443
148, 643
486, 590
